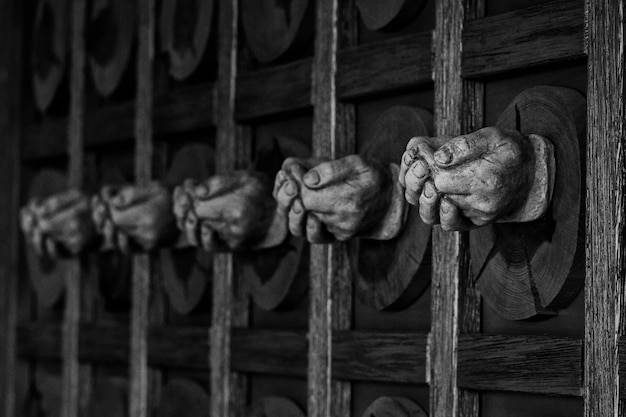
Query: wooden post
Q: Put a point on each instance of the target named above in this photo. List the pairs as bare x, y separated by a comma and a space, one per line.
606, 208
138, 367
76, 379
331, 282
10, 78
228, 389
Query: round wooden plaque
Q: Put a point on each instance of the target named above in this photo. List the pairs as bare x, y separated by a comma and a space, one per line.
528, 269
187, 271
109, 398
273, 27
394, 407
386, 272
111, 37
49, 50
275, 407
389, 14
183, 397
277, 278
47, 276
185, 29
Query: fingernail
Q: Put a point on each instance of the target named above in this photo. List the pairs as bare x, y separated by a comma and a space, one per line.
297, 209
443, 156
419, 169
407, 159
428, 190
290, 188
201, 191
118, 200
311, 178
445, 206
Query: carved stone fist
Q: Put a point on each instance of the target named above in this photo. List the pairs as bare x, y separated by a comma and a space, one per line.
234, 212
347, 196
61, 221
141, 214
476, 179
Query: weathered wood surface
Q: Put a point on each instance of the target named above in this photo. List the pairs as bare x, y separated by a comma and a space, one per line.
400, 62
532, 364
269, 351
549, 33
188, 108
382, 357
331, 287
394, 406
274, 90
605, 265
389, 15
185, 28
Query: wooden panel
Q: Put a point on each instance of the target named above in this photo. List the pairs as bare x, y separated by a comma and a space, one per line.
534, 364
274, 90
390, 65
179, 347
384, 357
551, 32
184, 109
39, 341
604, 285
269, 352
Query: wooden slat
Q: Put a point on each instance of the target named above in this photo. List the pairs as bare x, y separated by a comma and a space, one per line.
179, 347
185, 109
606, 205
538, 35
269, 352
385, 66
275, 90
532, 364
384, 357
39, 341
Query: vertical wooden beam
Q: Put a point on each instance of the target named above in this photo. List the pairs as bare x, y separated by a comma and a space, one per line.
75, 379
331, 283
606, 207
228, 389
10, 80
139, 375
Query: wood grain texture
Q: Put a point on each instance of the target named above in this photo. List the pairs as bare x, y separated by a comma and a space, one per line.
544, 34
140, 378
187, 108
269, 352
606, 205
400, 62
76, 378
382, 357
331, 286
448, 248
532, 364
227, 387
273, 90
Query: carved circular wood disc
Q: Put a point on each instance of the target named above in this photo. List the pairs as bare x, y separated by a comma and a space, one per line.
185, 29
527, 269
187, 271
48, 50
111, 36
386, 272
109, 398
277, 278
275, 407
47, 276
183, 397
389, 14
394, 407
273, 27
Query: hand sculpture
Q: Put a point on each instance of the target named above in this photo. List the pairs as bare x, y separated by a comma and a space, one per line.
346, 197
133, 213
486, 176
60, 222
234, 212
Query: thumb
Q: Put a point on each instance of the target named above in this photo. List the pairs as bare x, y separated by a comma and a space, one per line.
462, 149
329, 172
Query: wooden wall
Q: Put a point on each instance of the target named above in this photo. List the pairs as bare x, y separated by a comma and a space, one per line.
464, 60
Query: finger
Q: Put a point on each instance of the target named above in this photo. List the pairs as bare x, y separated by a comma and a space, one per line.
37, 242
320, 201
27, 220
50, 248
451, 217
405, 164
280, 179
306, 163
330, 172
60, 201
131, 195
297, 218
429, 204
316, 231
286, 195
207, 236
191, 229
122, 242
415, 179
107, 192
108, 235
462, 149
